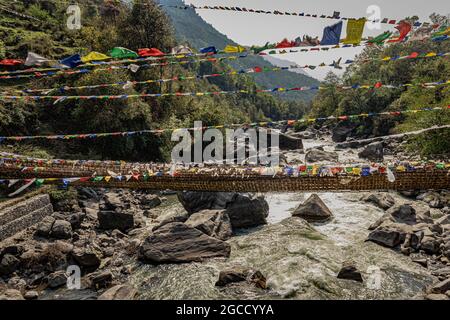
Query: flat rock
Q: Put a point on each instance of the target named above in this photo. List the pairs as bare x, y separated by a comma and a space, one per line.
383, 201
313, 210
316, 155
214, 223
61, 229
119, 292
441, 287
176, 243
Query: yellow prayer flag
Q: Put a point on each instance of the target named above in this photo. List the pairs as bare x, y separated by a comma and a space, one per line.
357, 171
233, 49
94, 56
355, 29
107, 178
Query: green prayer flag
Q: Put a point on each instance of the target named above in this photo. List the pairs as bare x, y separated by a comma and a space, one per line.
122, 53
380, 38
39, 182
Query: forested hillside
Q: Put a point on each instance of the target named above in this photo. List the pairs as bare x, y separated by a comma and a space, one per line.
106, 25
333, 101
191, 28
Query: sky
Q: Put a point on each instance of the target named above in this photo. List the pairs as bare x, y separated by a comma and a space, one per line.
256, 29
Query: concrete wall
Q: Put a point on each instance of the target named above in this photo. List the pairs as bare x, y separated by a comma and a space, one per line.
24, 214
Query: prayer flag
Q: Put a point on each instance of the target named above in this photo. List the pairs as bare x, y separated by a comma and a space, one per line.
122, 53
34, 59
94, 56
403, 28
355, 29
332, 34
71, 61
233, 49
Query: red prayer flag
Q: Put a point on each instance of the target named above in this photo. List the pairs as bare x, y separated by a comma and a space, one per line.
404, 28
152, 52
10, 62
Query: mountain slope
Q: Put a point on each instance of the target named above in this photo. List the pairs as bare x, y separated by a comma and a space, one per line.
191, 28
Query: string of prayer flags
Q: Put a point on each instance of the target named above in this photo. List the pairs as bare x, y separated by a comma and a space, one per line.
86, 136
150, 52
404, 28
57, 99
334, 16
122, 53
94, 56
355, 29
332, 34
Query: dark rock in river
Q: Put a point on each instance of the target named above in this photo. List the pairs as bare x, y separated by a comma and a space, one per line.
244, 209
232, 276
290, 143
373, 152
111, 220
176, 243
214, 223
240, 274
313, 210
341, 132
316, 155
119, 292
350, 272
383, 201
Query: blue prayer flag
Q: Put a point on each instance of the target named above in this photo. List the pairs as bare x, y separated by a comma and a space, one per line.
332, 34
71, 61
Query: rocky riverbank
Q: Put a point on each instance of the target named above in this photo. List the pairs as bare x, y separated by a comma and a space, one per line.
190, 245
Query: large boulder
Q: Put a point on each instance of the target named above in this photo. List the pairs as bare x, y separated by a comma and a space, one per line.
341, 132
350, 272
383, 201
317, 155
390, 234
119, 292
244, 209
373, 152
177, 243
8, 264
61, 229
86, 258
214, 223
433, 199
290, 143
57, 279
44, 227
313, 210
110, 220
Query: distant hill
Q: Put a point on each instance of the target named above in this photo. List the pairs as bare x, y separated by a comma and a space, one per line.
191, 28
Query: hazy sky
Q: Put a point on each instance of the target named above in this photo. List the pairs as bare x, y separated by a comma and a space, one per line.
250, 28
